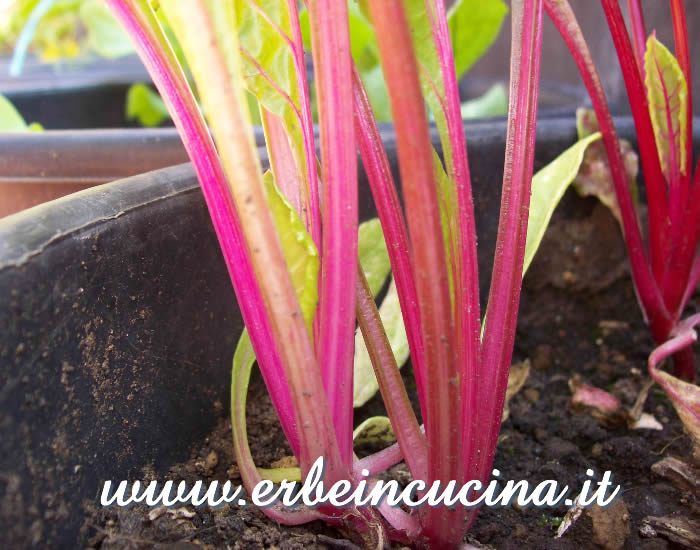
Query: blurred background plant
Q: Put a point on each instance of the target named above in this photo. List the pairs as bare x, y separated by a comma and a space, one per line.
60, 31
67, 33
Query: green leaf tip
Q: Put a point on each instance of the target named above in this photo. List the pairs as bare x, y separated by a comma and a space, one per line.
667, 94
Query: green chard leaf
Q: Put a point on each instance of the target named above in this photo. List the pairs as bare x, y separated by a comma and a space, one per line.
105, 36
268, 68
374, 259
667, 94
474, 25
145, 105
548, 187
365, 382
494, 102
299, 250
12, 121
376, 430
243, 361
302, 261
594, 177
373, 254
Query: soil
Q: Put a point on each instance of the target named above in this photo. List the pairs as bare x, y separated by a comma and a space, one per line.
578, 315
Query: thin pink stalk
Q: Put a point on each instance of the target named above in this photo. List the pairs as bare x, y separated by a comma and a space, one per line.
333, 72
649, 294
403, 420
680, 34
504, 295
380, 461
386, 198
639, 31
213, 57
403, 522
651, 166
467, 307
307, 126
175, 91
443, 423
681, 337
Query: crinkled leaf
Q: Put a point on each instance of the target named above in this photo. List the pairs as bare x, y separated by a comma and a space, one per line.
365, 382
145, 105
594, 177
474, 25
494, 102
105, 35
11, 120
298, 248
373, 431
667, 94
243, 360
373, 254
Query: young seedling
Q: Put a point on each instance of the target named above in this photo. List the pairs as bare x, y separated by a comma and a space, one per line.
667, 270
289, 235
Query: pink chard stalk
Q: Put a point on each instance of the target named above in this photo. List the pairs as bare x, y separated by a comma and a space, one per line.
289, 236
665, 273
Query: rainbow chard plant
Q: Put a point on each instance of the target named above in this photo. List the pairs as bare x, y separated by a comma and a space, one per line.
666, 271
289, 235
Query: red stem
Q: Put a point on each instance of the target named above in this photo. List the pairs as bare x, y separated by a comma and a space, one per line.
333, 72
693, 279
175, 91
443, 424
504, 295
685, 251
659, 222
466, 277
639, 31
649, 294
403, 420
386, 198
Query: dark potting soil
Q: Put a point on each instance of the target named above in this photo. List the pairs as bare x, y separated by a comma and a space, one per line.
578, 315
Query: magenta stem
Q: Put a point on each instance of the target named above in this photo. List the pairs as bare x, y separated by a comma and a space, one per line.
639, 32
466, 276
403, 420
174, 89
390, 213
653, 176
504, 295
649, 294
335, 345
443, 422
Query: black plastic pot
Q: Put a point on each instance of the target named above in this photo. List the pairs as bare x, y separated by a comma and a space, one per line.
94, 95
89, 95
118, 326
